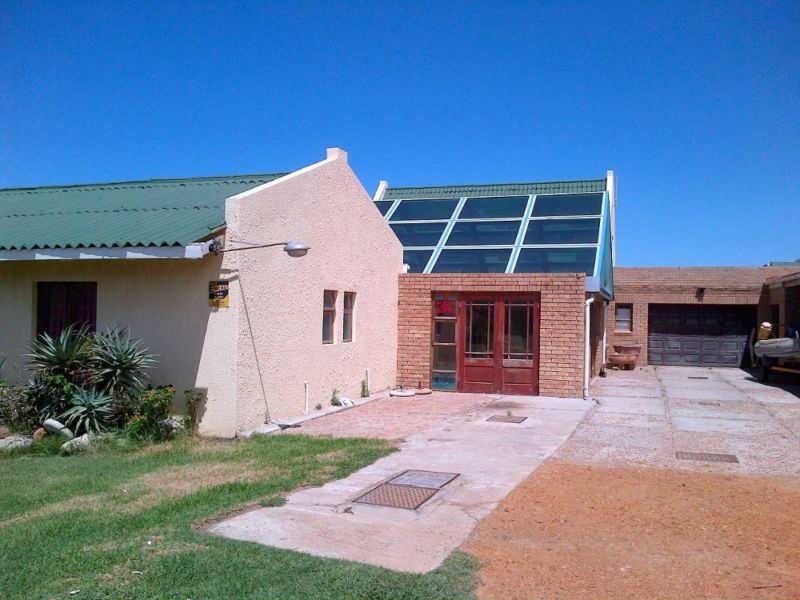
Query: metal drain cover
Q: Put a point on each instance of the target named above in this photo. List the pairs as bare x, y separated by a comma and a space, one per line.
397, 496
705, 402
426, 479
697, 377
410, 489
506, 419
707, 457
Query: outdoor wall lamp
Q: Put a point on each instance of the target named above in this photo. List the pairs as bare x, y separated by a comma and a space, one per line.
293, 249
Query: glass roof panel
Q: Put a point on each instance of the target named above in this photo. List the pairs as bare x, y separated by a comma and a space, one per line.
557, 205
418, 234
424, 210
562, 231
384, 206
483, 260
494, 207
416, 259
556, 260
484, 233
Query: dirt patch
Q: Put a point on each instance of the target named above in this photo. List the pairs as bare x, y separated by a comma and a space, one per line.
575, 531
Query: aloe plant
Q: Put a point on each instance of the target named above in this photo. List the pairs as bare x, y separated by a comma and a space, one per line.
89, 412
68, 354
119, 362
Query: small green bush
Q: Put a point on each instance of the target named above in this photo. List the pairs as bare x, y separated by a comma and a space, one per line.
364, 388
17, 411
192, 401
335, 401
151, 420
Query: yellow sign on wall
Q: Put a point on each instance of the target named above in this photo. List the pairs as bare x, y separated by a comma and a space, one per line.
218, 294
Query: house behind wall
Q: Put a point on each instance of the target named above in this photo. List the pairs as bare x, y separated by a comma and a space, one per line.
648, 289
254, 356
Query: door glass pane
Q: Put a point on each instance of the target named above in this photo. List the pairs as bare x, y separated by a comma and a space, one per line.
443, 381
418, 234
487, 208
556, 205
562, 231
444, 358
480, 330
473, 261
444, 332
488, 233
444, 305
416, 259
424, 210
518, 342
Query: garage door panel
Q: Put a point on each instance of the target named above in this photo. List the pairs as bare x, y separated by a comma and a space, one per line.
699, 335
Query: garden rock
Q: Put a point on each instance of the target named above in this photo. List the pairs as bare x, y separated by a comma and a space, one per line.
4, 432
83, 441
58, 428
15, 441
39, 434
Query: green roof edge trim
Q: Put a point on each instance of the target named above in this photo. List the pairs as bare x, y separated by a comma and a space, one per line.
576, 186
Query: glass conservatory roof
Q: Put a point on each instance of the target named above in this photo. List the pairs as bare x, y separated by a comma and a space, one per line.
559, 227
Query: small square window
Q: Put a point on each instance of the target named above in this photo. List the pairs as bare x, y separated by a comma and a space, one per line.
328, 316
623, 318
347, 316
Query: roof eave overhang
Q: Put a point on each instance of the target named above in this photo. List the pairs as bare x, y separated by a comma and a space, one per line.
192, 251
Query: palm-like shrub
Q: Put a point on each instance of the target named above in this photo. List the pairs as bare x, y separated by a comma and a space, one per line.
119, 363
68, 354
89, 412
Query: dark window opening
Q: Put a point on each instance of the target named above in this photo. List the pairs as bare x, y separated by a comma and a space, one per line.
347, 316
61, 304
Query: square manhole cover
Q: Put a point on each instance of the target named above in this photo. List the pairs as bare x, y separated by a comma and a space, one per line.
506, 419
426, 479
398, 496
707, 457
410, 489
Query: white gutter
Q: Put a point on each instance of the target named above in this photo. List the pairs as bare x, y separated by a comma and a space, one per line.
587, 359
190, 251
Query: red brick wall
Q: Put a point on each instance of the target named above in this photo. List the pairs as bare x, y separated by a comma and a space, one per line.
678, 285
561, 345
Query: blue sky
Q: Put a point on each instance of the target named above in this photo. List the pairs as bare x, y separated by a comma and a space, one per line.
696, 106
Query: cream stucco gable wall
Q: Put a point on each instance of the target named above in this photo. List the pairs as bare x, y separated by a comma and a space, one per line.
279, 299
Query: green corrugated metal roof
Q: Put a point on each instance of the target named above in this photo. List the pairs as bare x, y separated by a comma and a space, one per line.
154, 212
498, 189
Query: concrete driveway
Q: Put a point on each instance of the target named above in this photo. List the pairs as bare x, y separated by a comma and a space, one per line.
444, 433
644, 417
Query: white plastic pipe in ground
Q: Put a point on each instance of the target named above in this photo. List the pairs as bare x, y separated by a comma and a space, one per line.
369, 383
305, 391
604, 350
587, 358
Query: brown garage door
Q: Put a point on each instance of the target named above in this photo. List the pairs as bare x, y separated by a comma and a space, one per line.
707, 336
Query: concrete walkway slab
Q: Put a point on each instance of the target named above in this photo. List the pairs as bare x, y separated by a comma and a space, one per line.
491, 459
727, 413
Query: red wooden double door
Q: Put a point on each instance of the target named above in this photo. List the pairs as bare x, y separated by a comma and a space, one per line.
498, 343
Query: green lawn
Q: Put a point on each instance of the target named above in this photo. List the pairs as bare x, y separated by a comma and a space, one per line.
124, 524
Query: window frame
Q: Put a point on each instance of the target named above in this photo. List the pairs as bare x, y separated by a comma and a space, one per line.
329, 311
450, 319
347, 317
629, 306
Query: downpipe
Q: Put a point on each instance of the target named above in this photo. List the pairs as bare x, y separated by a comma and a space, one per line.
587, 359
